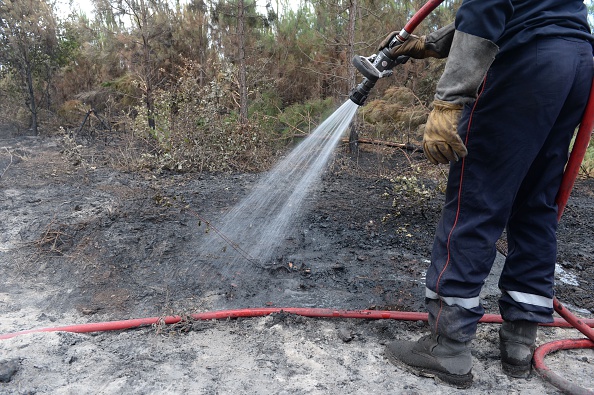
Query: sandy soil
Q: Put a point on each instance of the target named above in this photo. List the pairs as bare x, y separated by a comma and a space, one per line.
82, 242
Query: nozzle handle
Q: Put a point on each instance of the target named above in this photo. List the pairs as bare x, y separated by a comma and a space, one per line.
365, 67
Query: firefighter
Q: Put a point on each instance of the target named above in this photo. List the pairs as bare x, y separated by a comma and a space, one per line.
514, 88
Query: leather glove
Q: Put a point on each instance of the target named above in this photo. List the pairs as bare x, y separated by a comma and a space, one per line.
434, 45
469, 59
441, 142
413, 47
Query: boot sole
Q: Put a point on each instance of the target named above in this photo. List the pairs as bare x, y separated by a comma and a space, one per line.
459, 381
515, 371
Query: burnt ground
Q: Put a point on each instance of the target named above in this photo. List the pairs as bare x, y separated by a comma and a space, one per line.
81, 241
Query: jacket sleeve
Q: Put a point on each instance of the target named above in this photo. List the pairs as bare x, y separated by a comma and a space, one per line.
485, 19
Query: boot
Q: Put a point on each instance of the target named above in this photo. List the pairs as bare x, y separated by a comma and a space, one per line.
434, 356
517, 343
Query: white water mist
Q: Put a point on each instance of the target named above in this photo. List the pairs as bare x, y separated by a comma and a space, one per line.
262, 221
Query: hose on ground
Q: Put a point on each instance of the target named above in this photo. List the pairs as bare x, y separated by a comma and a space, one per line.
539, 355
261, 312
566, 344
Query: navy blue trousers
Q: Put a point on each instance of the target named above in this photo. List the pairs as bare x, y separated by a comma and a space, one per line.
518, 133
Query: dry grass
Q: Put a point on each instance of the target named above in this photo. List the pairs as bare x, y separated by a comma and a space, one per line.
397, 116
54, 240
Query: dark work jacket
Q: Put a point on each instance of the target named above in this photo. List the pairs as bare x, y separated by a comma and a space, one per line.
511, 23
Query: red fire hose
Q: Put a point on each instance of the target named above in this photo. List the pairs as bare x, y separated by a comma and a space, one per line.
421, 14
261, 312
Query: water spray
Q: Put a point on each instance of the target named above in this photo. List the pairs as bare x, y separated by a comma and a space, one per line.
380, 65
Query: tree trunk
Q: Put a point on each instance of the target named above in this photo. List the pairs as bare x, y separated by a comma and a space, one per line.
148, 66
243, 97
31, 98
351, 75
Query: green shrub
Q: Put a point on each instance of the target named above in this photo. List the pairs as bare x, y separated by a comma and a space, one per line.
196, 129
305, 117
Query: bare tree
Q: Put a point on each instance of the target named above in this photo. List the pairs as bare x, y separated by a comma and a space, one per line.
351, 75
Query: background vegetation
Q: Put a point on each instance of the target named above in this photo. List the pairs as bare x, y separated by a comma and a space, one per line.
206, 84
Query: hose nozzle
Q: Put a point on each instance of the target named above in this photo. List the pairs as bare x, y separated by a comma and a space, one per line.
359, 94
373, 68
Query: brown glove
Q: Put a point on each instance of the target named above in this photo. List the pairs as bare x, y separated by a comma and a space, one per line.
441, 142
413, 47
434, 45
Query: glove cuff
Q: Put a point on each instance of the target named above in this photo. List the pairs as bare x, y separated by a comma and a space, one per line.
438, 43
468, 62
441, 105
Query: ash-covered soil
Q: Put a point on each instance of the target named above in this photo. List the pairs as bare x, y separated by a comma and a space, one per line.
81, 242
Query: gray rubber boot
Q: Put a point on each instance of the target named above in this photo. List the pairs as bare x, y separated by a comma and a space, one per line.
517, 343
434, 356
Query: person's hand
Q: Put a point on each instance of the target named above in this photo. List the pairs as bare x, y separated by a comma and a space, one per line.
414, 47
441, 141
434, 45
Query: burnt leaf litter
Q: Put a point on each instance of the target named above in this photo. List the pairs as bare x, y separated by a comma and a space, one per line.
126, 244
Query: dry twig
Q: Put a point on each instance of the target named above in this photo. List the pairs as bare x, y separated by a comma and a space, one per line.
4, 172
